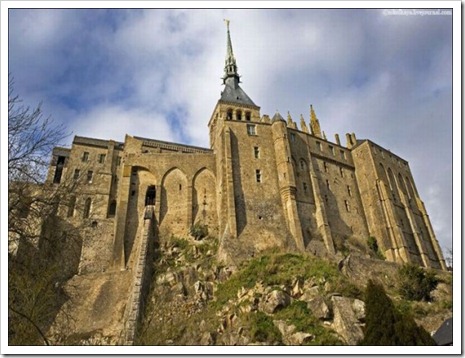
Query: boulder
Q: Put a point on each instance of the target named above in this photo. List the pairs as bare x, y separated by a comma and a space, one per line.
299, 338
358, 307
345, 323
319, 308
310, 293
274, 301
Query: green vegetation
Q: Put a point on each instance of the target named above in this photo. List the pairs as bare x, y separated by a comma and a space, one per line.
199, 231
373, 245
298, 314
261, 328
275, 269
414, 283
385, 325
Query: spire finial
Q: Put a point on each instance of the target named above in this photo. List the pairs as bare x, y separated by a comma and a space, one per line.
230, 66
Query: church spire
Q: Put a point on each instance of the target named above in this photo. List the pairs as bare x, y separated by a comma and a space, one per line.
230, 66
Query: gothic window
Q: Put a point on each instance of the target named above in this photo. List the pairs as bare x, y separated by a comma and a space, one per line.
256, 152
258, 175
101, 158
302, 164
229, 115
327, 184
90, 175
77, 172
85, 156
247, 116
71, 206
239, 115
251, 129
87, 206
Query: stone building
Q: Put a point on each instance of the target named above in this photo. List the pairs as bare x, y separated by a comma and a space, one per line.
264, 182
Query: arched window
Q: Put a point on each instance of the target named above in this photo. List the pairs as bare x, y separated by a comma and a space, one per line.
229, 115
112, 209
247, 116
239, 115
302, 164
87, 206
71, 206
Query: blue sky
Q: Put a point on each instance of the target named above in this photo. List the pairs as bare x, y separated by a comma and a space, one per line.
156, 73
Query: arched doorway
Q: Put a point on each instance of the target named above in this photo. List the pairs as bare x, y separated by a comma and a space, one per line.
150, 195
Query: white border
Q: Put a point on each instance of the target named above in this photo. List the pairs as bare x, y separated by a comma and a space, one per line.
248, 350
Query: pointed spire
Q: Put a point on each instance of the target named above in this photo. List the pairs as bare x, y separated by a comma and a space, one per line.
303, 125
230, 66
314, 123
289, 118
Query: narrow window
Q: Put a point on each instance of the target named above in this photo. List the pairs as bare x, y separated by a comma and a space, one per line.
302, 165
349, 191
239, 115
256, 152
180, 187
327, 184
320, 148
229, 115
90, 174
118, 161
101, 158
150, 195
71, 205
77, 172
112, 209
325, 165
87, 205
305, 187
258, 175
247, 116
341, 170
326, 198
251, 129
292, 137
343, 154
85, 156
331, 149
59, 169
347, 205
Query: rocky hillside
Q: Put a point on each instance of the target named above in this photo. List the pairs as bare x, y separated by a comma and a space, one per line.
274, 299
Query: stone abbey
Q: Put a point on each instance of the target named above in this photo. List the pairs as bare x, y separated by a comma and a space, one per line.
263, 183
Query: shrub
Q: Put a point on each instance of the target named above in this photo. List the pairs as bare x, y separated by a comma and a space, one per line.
199, 231
262, 328
386, 326
373, 245
414, 283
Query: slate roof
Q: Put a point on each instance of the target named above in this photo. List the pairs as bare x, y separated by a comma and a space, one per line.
233, 93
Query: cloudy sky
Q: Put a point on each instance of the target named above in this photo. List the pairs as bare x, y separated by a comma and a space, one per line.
156, 73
